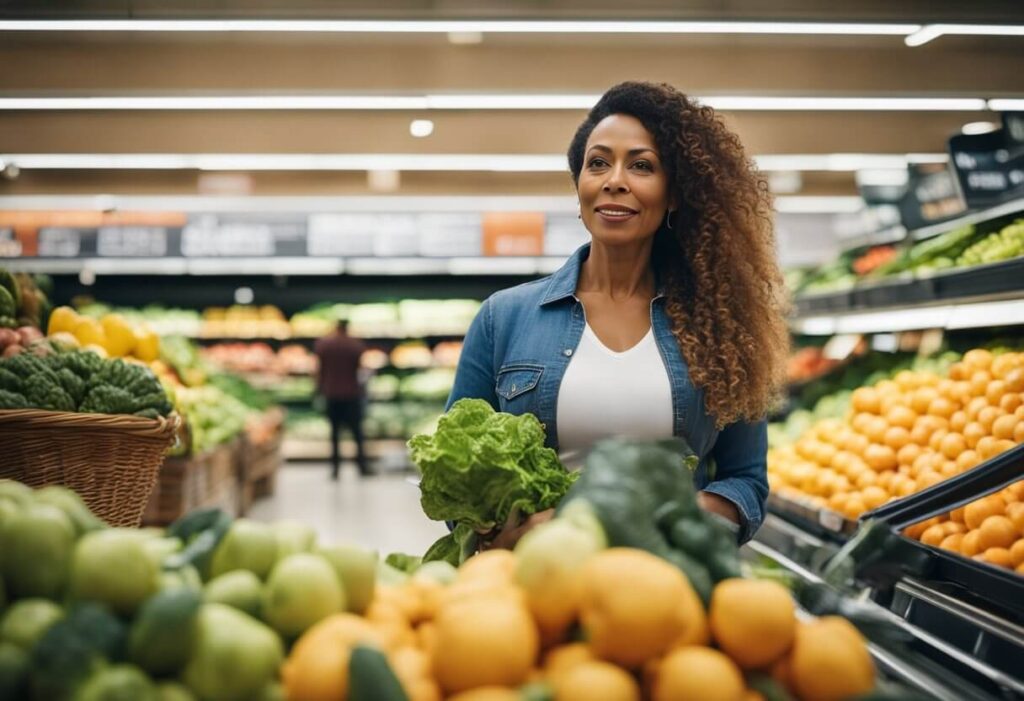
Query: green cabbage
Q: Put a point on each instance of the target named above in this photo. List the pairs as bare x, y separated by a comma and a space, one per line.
482, 467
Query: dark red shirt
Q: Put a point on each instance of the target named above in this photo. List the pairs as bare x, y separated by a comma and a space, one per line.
339, 366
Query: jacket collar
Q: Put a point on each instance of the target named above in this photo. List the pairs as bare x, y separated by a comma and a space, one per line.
563, 282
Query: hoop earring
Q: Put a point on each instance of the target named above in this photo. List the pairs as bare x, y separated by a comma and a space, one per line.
668, 218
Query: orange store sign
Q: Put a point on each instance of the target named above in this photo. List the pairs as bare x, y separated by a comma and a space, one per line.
513, 234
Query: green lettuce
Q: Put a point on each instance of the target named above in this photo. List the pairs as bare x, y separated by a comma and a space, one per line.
482, 467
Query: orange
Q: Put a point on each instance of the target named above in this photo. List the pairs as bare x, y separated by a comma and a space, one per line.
987, 417
1000, 557
890, 402
1010, 402
969, 544
874, 497
949, 469
1020, 569
952, 542
1001, 446
979, 383
928, 479
958, 371
924, 461
957, 515
920, 434
979, 359
880, 457
974, 432
906, 488
958, 421
933, 536
854, 507
908, 454
866, 399
837, 502
1002, 364
484, 641
1004, 426
975, 406
867, 479
753, 621
896, 437
629, 608
906, 379
1019, 412
857, 444
995, 391
317, 666
885, 387
1015, 380
976, 512
935, 442
697, 673
986, 447
565, 657
951, 527
830, 661
900, 415
1017, 552
941, 406
875, 429
952, 444
600, 681
1018, 432
997, 532
1015, 512
922, 398
967, 459
961, 393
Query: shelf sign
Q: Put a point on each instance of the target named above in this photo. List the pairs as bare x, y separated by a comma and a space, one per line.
842, 346
132, 241
932, 196
513, 234
990, 167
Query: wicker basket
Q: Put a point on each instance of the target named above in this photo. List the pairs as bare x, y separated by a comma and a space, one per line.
110, 460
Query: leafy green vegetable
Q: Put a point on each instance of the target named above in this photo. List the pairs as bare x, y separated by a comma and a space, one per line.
73, 649
482, 467
404, 562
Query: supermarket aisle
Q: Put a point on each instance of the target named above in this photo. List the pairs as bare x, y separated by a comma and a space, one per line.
381, 512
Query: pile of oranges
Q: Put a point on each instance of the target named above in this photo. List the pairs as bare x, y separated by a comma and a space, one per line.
906, 434
990, 529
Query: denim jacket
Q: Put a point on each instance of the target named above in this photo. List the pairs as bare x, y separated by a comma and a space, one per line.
521, 342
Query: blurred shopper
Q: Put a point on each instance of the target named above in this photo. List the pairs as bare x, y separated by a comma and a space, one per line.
338, 383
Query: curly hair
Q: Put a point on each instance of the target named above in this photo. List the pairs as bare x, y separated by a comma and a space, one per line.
717, 263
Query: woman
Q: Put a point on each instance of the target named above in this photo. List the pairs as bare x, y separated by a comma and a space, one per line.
670, 322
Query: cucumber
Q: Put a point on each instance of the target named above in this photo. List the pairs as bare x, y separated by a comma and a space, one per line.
162, 635
370, 677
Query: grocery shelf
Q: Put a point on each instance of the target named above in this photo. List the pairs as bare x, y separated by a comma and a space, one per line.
309, 340
1005, 209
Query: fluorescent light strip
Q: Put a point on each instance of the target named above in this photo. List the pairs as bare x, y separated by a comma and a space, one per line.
479, 102
930, 32
460, 26
1006, 105
521, 163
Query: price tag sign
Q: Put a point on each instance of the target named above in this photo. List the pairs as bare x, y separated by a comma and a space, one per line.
209, 238
841, 347
132, 242
456, 235
830, 520
932, 196
60, 242
989, 167
342, 235
10, 246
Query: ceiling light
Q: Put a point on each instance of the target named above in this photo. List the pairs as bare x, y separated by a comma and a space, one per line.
933, 31
810, 204
383, 180
421, 128
465, 38
1003, 105
898, 104
479, 101
974, 128
522, 163
460, 26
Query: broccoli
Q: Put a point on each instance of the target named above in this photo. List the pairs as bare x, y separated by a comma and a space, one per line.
73, 649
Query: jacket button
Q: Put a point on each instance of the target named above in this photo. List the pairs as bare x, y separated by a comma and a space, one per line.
567, 352
513, 388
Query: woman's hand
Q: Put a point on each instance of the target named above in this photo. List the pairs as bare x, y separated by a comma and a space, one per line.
510, 534
718, 505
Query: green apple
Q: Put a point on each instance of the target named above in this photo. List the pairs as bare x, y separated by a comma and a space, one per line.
357, 570
240, 589
302, 589
248, 545
113, 567
36, 542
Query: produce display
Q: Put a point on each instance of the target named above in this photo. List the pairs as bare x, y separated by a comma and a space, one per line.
808, 363
599, 603
962, 247
990, 529
23, 300
111, 334
258, 357
79, 381
213, 415
905, 434
241, 321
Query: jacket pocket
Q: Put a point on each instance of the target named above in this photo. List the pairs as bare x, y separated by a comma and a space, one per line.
517, 379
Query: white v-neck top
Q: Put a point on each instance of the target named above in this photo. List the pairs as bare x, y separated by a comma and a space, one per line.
605, 393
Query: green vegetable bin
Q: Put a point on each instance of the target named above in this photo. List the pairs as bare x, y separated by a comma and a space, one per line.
112, 461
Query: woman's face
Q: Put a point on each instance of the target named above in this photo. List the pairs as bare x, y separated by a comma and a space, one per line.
623, 187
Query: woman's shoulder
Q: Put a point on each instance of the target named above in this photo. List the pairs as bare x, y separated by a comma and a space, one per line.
519, 296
